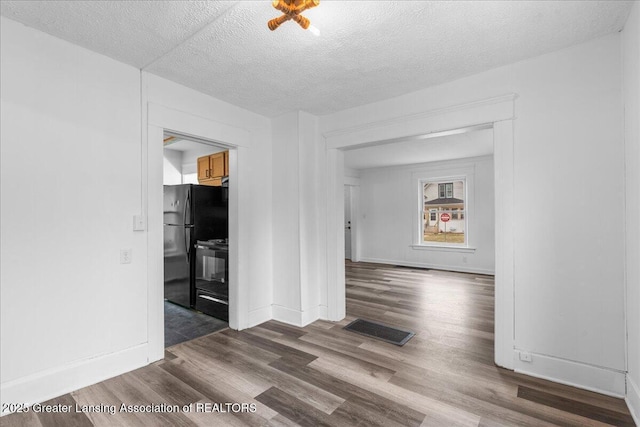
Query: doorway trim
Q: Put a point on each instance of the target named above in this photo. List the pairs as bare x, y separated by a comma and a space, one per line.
158, 120
497, 112
353, 186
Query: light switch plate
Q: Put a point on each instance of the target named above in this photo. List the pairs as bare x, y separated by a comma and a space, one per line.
138, 223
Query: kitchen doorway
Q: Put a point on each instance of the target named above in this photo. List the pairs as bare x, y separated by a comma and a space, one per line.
195, 238
162, 120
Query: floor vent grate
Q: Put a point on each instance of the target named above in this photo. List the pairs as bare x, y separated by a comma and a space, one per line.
379, 331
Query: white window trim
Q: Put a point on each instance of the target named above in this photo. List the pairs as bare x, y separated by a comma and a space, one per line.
442, 180
444, 248
444, 173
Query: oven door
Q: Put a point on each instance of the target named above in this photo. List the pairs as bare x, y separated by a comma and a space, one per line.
211, 281
212, 305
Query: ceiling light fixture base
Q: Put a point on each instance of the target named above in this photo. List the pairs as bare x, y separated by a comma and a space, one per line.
292, 10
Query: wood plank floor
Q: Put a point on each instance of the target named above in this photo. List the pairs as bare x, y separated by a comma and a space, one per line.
322, 375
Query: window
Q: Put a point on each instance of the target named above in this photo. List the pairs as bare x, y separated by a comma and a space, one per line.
443, 213
445, 190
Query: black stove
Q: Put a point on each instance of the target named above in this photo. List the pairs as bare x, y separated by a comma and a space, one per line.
212, 277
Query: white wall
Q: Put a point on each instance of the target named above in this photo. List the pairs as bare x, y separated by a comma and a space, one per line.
172, 167
569, 284
299, 230
312, 219
388, 218
631, 83
65, 298
352, 173
286, 218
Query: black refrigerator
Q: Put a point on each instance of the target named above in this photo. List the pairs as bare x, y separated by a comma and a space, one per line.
191, 213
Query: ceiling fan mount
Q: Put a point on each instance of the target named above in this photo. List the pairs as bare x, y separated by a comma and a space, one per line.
291, 10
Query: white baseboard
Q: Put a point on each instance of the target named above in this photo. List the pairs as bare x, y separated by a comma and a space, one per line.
576, 374
295, 317
55, 382
457, 268
323, 312
259, 316
633, 399
287, 315
311, 315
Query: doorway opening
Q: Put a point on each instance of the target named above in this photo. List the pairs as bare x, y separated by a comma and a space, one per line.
196, 237
424, 202
500, 146
499, 114
349, 193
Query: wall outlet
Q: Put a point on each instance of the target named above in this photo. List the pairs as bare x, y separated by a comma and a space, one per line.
125, 256
525, 357
138, 223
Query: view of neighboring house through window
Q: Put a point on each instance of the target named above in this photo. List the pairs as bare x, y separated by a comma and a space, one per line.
443, 212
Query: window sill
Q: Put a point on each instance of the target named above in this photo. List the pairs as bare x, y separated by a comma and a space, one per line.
442, 248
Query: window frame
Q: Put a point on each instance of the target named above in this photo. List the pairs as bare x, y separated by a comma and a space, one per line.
464, 173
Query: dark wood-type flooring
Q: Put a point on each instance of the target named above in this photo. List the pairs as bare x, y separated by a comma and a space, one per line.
322, 375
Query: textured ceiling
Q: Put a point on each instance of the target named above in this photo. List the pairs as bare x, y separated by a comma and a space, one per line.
368, 50
471, 144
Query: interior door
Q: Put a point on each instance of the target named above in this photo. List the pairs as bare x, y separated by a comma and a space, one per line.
347, 222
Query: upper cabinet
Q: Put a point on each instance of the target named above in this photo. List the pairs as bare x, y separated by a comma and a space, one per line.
204, 171
217, 165
212, 168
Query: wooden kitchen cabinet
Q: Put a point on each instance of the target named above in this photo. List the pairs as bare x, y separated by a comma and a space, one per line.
212, 168
216, 165
203, 168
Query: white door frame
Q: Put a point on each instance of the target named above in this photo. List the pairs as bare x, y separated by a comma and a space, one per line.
348, 205
159, 119
354, 199
500, 113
